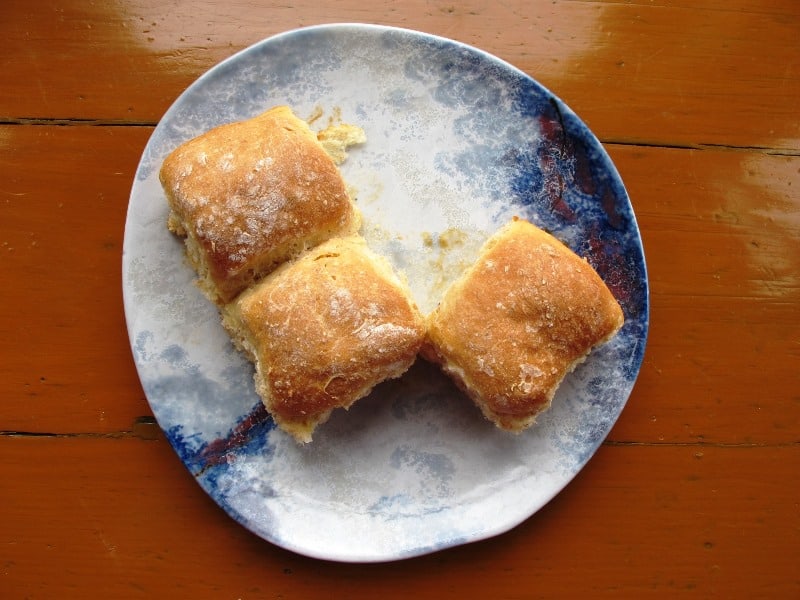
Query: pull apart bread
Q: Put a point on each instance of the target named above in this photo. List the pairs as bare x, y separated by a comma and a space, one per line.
250, 195
323, 330
517, 321
271, 230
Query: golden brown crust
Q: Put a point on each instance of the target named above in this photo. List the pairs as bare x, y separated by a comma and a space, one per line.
252, 194
324, 330
518, 321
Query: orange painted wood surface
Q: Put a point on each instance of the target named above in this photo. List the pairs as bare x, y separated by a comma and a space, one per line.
712, 72
122, 518
695, 491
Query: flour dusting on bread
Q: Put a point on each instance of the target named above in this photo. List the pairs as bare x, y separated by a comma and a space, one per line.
272, 231
324, 330
252, 194
518, 321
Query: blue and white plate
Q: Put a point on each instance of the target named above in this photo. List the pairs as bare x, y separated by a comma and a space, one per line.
458, 142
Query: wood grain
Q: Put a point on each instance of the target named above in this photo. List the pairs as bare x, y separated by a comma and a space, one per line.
639, 73
67, 366
694, 493
724, 279
123, 519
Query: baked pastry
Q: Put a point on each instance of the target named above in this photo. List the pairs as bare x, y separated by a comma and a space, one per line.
323, 330
517, 321
252, 194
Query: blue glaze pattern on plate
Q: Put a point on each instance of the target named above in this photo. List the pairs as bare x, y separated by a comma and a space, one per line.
458, 142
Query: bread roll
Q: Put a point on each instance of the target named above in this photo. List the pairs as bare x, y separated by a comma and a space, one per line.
252, 194
517, 321
324, 330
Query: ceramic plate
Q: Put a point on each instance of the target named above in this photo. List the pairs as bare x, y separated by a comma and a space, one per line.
458, 142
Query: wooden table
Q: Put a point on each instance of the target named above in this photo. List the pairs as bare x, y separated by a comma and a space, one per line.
696, 490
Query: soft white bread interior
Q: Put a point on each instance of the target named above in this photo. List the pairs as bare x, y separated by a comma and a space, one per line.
336, 138
252, 194
323, 330
517, 321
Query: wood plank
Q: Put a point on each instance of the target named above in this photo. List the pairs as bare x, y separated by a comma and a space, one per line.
61, 230
695, 491
717, 370
122, 519
716, 222
689, 75
673, 75
724, 288
721, 232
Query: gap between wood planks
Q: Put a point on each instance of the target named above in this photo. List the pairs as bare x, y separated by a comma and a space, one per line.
146, 428
74, 122
67, 122
703, 146
704, 444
